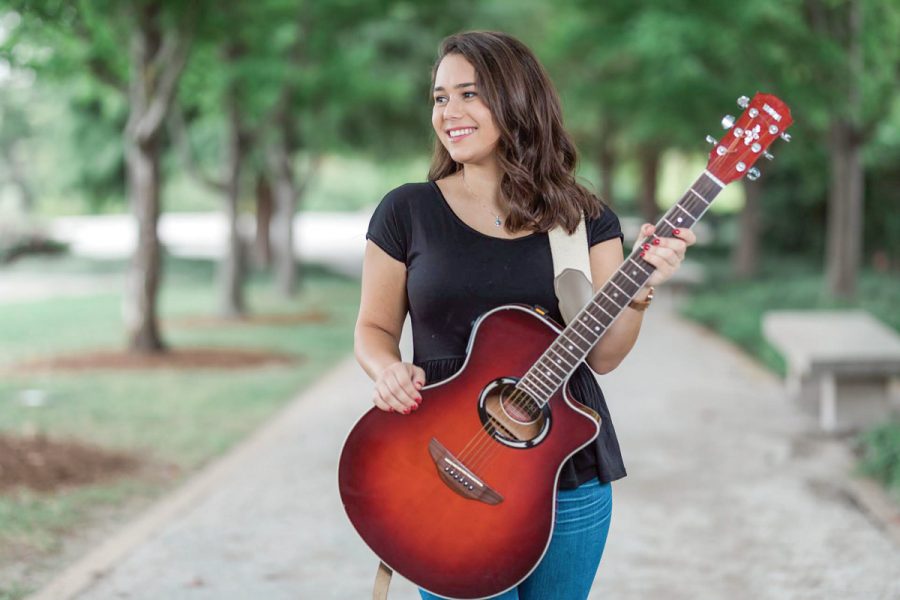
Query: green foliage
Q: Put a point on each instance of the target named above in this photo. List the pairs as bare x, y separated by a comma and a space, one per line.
881, 455
735, 308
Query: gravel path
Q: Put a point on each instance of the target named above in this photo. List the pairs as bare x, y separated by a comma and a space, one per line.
731, 494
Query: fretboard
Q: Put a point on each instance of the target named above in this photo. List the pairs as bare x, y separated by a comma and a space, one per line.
575, 342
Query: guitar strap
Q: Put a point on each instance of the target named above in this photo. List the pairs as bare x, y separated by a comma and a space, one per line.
572, 283
571, 269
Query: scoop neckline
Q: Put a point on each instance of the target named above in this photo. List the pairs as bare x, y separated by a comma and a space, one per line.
468, 227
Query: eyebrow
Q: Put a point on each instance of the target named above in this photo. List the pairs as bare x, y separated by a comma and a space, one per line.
456, 87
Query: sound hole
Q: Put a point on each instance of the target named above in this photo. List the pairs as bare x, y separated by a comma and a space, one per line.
512, 415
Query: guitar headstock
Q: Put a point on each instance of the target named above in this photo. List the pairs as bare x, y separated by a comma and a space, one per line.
764, 119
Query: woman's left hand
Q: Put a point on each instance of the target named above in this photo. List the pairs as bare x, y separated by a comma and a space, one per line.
666, 254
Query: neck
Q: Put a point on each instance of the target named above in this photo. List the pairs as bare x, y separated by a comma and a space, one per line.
484, 182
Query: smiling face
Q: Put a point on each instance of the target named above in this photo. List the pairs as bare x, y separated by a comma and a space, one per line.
461, 119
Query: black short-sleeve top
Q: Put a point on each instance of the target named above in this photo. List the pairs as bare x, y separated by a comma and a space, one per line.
454, 274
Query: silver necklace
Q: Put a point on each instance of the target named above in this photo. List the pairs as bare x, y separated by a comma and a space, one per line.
498, 222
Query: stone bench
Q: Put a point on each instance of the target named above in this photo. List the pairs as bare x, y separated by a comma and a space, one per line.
843, 364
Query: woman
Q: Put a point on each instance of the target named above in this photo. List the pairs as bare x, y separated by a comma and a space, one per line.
473, 237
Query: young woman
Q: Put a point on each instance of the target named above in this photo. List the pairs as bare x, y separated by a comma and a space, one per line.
473, 237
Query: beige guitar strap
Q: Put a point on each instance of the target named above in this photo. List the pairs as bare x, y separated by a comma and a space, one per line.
571, 269
572, 282
382, 582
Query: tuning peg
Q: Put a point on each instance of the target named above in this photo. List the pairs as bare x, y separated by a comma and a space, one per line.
753, 174
711, 140
743, 101
785, 136
727, 122
767, 155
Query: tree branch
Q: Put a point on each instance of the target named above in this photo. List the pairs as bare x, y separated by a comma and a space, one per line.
174, 51
178, 130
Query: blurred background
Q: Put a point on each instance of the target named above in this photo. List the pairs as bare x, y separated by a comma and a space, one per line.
185, 186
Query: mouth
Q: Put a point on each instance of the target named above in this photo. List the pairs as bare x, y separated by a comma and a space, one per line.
459, 133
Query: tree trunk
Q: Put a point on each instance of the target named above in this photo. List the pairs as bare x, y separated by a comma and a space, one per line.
845, 212
846, 193
139, 307
649, 172
17, 173
157, 61
232, 265
745, 256
263, 242
285, 196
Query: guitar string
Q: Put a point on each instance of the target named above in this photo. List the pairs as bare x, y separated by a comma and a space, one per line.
484, 439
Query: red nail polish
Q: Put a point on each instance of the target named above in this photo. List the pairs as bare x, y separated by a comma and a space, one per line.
656, 242
677, 231
646, 246
415, 407
642, 254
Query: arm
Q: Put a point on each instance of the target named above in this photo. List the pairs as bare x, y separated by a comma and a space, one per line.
382, 310
606, 257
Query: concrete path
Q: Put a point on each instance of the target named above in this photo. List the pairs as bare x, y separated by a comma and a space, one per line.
731, 495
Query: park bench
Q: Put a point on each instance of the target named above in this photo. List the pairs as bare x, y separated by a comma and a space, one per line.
843, 364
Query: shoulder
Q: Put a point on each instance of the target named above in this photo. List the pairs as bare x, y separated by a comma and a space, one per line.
603, 227
407, 194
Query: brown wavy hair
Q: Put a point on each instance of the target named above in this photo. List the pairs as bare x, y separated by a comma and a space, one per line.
536, 155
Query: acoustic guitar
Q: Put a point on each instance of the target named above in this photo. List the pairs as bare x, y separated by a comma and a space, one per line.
459, 496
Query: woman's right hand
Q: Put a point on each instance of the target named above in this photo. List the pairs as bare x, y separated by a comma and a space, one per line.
397, 388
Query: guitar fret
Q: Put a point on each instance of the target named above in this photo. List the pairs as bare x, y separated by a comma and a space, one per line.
603, 319
539, 385
670, 224
581, 336
572, 345
698, 195
630, 279
548, 365
577, 345
635, 263
604, 310
611, 300
539, 396
714, 179
568, 351
560, 357
548, 381
596, 320
682, 209
625, 283
617, 287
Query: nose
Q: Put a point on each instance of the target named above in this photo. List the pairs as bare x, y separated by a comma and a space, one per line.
451, 109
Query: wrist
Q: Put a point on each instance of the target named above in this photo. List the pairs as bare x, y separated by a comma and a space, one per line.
642, 301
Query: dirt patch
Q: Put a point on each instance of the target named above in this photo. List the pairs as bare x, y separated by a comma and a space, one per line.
304, 318
181, 358
45, 465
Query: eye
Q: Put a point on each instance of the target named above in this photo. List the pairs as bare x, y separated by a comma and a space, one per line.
437, 99
473, 93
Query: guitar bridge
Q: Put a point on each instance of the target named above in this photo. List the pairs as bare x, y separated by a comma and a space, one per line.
459, 478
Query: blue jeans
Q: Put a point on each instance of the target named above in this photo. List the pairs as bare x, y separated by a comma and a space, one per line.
567, 569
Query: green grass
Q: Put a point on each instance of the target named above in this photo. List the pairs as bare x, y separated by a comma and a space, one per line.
177, 418
734, 309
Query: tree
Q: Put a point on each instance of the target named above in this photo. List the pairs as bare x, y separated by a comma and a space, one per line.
88, 38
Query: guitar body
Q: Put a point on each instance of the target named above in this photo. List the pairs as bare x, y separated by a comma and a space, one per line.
461, 508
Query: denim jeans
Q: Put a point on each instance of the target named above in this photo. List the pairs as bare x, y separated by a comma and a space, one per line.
567, 569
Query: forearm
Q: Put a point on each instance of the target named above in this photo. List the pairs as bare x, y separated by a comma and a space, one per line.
618, 340
375, 349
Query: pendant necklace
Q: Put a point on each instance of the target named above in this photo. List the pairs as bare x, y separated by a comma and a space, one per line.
498, 222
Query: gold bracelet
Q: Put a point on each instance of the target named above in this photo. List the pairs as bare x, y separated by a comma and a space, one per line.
641, 305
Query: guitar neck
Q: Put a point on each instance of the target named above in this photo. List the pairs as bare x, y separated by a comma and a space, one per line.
583, 332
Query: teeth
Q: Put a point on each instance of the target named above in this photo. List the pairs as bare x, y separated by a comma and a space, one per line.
459, 132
